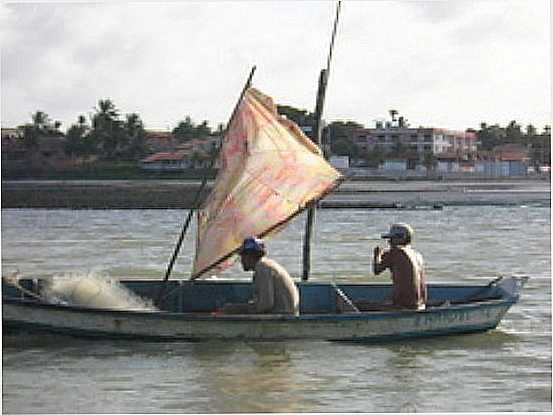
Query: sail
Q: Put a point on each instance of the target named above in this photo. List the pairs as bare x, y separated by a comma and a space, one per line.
269, 170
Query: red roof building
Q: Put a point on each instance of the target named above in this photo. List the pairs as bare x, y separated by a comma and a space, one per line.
160, 140
511, 152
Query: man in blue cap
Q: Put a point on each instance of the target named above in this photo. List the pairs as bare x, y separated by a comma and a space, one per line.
274, 289
406, 266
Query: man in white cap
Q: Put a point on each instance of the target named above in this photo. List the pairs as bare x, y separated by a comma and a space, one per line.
406, 266
274, 289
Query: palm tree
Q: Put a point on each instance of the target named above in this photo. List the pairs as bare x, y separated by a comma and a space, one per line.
133, 123
107, 128
40, 120
203, 130
135, 136
107, 108
185, 130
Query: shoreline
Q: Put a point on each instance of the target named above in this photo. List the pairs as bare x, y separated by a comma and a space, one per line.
175, 194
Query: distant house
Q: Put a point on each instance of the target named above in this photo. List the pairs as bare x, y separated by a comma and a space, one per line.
511, 152
207, 145
513, 159
50, 149
159, 141
177, 160
448, 162
190, 154
12, 145
502, 161
10, 133
166, 161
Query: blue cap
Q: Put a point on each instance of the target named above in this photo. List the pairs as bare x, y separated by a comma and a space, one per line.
252, 244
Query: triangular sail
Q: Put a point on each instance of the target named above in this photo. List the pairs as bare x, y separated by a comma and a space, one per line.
269, 171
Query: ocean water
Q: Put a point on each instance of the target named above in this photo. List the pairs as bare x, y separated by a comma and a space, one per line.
508, 369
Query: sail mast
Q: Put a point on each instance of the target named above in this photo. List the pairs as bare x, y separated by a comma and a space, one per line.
316, 137
196, 202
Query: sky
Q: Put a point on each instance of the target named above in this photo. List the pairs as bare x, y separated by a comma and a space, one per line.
448, 64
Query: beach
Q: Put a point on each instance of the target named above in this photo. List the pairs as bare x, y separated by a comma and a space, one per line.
180, 194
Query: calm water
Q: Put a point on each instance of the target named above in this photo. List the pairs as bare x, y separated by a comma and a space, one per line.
508, 369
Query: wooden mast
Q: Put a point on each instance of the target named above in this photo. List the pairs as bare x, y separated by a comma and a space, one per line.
316, 137
196, 203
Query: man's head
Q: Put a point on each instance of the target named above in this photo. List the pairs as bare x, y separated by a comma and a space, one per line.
399, 234
251, 251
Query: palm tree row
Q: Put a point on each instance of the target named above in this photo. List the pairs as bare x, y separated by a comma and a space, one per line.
107, 136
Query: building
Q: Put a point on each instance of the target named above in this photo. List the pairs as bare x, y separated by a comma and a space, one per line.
511, 160
207, 145
49, 148
414, 142
160, 141
12, 145
503, 161
165, 161
192, 154
10, 133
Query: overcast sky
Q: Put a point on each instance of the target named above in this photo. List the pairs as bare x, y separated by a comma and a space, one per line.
450, 64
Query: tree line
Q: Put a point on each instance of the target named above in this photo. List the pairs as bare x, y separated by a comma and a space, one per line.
111, 136
107, 133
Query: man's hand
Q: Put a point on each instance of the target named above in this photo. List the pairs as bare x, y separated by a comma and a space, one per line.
377, 259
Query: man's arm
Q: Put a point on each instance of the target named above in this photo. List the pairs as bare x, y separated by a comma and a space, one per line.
379, 264
264, 291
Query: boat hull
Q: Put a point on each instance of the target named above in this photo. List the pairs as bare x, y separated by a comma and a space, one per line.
365, 326
481, 311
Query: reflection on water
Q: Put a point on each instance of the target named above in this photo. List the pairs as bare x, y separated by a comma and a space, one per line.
44, 373
261, 378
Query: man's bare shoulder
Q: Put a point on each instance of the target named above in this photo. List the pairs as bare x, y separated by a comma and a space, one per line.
270, 265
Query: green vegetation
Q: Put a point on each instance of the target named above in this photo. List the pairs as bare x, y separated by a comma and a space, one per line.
101, 170
340, 135
108, 136
41, 126
539, 144
302, 118
110, 144
187, 130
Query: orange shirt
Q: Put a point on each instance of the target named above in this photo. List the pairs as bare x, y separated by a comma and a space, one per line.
407, 268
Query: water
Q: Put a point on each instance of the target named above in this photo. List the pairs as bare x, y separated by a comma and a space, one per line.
508, 369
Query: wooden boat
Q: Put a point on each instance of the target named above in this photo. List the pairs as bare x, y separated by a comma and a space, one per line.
191, 312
